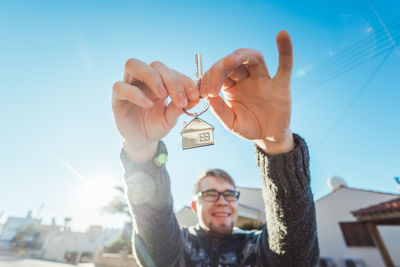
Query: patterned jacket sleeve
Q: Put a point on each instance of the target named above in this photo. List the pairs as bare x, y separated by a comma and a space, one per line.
157, 239
290, 237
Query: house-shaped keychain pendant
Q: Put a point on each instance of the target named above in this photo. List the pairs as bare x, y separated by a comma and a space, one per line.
197, 133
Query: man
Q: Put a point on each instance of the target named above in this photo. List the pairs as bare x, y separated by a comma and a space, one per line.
255, 107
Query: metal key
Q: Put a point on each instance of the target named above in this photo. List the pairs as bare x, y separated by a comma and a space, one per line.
197, 132
199, 68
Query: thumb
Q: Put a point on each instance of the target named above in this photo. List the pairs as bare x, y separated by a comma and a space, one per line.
172, 114
223, 112
285, 50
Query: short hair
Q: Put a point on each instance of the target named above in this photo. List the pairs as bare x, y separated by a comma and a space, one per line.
218, 173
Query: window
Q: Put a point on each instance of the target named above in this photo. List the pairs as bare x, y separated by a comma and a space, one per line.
356, 234
204, 137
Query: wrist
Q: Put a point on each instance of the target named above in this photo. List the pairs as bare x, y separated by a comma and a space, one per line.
272, 147
142, 153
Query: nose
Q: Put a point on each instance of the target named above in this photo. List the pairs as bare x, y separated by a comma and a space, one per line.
221, 200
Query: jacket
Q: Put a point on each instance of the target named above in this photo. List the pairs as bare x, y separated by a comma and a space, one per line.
288, 239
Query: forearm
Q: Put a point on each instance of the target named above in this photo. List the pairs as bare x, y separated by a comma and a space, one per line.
292, 238
140, 154
151, 207
274, 147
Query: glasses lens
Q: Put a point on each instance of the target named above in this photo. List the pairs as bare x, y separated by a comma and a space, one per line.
230, 195
210, 195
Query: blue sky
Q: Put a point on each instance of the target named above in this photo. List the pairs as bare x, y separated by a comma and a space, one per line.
59, 60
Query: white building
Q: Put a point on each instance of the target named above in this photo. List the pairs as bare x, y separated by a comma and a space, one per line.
186, 217
12, 226
76, 247
336, 208
251, 206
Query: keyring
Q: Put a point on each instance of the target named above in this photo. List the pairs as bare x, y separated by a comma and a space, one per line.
198, 114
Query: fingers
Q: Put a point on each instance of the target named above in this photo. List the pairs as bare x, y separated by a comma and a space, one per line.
172, 113
123, 91
160, 80
138, 70
223, 112
254, 60
285, 50
240, 73
227, 83
232, 65
175, 84
192, 92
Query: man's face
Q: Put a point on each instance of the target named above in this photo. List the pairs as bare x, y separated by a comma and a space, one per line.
218, 217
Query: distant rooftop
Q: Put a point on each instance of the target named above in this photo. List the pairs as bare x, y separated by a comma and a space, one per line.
387, 212
384, 207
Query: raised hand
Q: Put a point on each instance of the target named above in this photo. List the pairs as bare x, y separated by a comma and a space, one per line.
140, 106
255, 106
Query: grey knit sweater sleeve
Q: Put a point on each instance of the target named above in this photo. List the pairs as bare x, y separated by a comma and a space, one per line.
157, 239
290, 238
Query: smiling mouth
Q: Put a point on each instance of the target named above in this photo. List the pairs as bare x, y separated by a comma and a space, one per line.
221, 214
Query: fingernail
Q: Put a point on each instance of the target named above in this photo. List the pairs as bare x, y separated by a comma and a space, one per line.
213, 93
182, 99
147, 103
211, 90
192, 92
162, 91
204, 88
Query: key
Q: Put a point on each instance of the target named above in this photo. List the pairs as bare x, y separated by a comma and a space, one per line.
199, 68
197, 132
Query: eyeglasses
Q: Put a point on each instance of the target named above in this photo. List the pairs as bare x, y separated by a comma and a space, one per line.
213, 195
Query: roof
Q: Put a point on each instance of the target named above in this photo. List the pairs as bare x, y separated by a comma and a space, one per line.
195, 125
249, 188
355, 189
333, 191
383, 207
385, 212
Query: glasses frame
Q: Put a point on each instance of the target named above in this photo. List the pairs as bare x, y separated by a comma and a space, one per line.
237, 194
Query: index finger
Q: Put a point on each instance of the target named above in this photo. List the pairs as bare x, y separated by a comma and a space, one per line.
140, 71
218, 72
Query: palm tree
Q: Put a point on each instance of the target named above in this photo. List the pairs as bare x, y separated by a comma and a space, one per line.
119, 205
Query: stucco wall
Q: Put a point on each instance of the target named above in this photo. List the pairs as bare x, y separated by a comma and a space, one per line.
336, 208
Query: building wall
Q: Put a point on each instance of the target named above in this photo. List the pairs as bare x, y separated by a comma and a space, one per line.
252, 198
336, 208
57, 243
12, 225
186, 217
